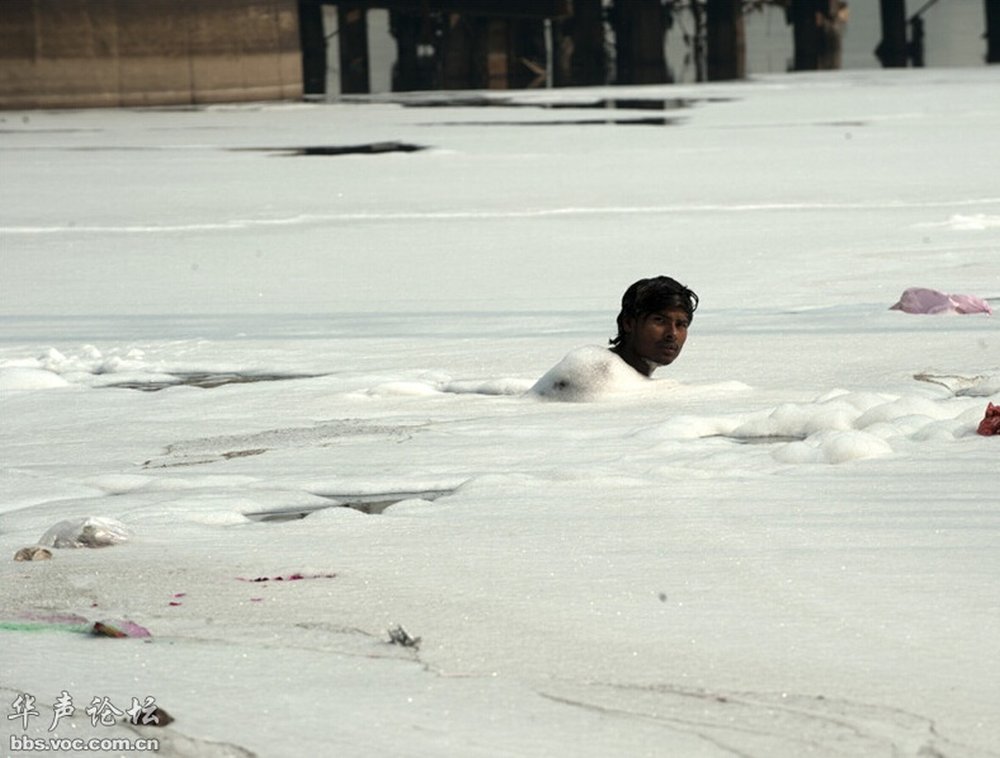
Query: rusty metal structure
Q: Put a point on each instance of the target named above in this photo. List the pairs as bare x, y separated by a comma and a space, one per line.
93, 53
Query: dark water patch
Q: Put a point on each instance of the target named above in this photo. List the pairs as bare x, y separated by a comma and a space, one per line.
371, 148
177, 109
641, 104
32, 130
650, 121
772, 439
93, 148
189, 128
205, 380
229, 455
370, 503
226, 447
480, 101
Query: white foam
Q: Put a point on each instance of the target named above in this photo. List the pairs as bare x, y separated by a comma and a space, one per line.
589, 373
618, 576
29, 379
507, 386
404, 389
833, 447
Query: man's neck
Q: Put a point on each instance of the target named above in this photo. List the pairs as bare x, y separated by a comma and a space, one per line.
641, 365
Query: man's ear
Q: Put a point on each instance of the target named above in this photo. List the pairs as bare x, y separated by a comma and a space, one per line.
628, 325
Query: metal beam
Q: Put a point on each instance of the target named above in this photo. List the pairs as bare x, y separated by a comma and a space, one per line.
499, 8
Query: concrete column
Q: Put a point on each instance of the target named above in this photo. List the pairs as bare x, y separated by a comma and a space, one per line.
580, 59
992, 31
891, 51
640, 29
313, 40
352, 34
726, 38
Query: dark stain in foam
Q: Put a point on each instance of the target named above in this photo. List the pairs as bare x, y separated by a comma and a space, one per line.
482, 101
772, 439
205, 380
370, 503
640, 121
370, 148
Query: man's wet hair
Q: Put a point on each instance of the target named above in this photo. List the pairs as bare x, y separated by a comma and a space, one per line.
652, 296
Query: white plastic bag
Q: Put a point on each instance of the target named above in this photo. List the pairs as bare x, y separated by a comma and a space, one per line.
90, 531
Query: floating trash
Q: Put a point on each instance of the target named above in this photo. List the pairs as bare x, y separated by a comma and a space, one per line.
33, 553
90, 531
119, 628
399, 636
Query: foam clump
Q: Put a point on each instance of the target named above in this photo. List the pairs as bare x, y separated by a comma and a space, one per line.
24, 378
834, 412
834, 447
837, 427
588, 373
90, 531
403, 388
488, 387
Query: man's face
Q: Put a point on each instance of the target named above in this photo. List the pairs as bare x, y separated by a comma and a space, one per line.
659, 336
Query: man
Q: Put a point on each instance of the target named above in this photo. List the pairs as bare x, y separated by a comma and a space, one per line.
653, 323
652, 328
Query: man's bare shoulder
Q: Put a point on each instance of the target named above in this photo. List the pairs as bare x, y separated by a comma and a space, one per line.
587, 373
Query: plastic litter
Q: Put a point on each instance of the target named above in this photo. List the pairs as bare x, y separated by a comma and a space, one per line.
33, 553
90, 531
922, 300
33, 621
990, 424
399, 636
119, 628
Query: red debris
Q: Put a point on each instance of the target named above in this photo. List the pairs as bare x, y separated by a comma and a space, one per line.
288, 578
990, 424
119, 628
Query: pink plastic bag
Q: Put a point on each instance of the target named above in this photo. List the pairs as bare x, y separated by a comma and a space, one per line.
990, 424
921, 300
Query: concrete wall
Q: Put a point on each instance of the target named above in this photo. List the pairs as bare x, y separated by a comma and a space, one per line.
94, 53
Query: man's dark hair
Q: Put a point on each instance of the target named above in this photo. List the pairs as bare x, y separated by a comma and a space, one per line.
651, 296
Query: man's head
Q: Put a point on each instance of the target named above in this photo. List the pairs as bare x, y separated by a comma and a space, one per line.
653, 322
651, 296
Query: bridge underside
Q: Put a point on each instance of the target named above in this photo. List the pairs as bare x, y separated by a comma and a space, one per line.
92, 53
